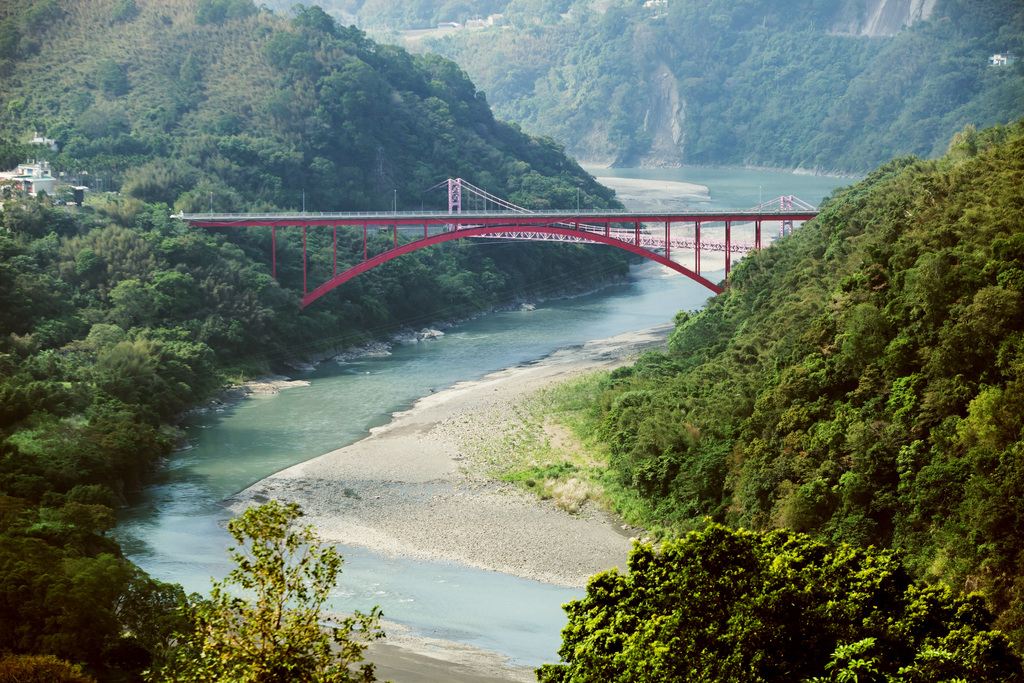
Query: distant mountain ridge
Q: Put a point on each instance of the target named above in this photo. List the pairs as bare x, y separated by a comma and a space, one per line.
830, 87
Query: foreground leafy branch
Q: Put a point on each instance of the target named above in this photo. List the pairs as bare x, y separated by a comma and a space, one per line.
265, 622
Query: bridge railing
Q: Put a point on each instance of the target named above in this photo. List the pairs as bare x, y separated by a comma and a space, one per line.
594, 213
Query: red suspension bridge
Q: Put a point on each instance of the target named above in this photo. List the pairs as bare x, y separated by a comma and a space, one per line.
653, 235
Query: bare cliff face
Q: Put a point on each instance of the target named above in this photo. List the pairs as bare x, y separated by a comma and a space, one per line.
886, 17
664, 120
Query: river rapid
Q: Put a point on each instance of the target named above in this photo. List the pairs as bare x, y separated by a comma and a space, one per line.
175, 529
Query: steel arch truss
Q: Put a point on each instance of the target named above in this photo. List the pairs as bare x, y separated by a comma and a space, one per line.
566, 235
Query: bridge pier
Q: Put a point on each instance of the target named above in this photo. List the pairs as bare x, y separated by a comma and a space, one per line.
696, 247
728, 247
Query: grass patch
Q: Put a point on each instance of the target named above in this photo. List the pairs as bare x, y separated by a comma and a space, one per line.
552, 448
564, 483
578, 471
556, 453
530, 476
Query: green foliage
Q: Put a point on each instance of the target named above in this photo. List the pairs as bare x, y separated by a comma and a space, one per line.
270, 111
537, 473
113, 79
40, 669
723, 605
218, 11
41, 15
125, 10
11, 153
782, 84
419, 14
859, 381
265, 621
64, 594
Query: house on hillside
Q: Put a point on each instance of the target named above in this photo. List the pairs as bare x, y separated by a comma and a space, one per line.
32, 177
656, 7
1001, 60
38, 139
492, 20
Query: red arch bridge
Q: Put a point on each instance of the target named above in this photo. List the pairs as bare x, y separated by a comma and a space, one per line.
652, 234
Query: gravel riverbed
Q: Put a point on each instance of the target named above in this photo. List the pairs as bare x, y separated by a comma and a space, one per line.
414, 488
419, 487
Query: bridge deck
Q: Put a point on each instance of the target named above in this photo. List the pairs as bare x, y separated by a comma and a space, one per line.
491, 217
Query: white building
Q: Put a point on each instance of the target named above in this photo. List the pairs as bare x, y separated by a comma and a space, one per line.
1001, 60
38, 139
31, 177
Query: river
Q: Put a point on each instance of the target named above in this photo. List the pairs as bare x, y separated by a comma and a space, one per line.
175, 528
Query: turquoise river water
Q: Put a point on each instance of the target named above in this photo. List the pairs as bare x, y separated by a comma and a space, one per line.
175, 529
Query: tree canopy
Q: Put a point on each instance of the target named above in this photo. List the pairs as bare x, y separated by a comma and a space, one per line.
743, 607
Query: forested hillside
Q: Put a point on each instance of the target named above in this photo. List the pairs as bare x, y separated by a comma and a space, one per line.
115, 317
860, 381
172, 100
779, 83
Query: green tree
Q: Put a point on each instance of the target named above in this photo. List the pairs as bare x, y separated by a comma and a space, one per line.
11, 153
739, 606
273, 629
113, 78
125, 10
40, 669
